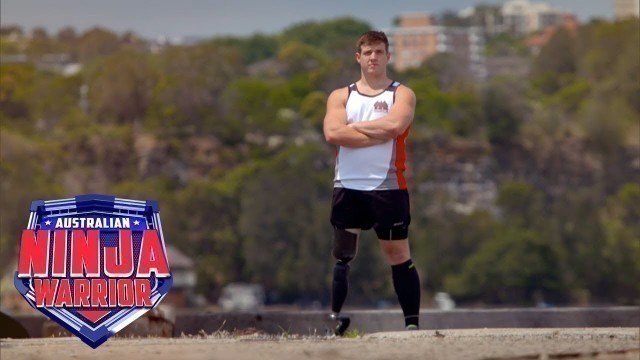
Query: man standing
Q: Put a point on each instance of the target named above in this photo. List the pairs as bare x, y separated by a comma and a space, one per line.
369, 121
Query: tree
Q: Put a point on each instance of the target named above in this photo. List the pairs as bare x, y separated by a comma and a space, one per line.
299, 58
506, 44
203, 223
620, 219
253, 49
120, 88
325, 34
26, 165
253, 105
442, 242
503, 111
284, 221
40, 43
188, 95
574, 226
516, 267
557, 63
520, 204
16, 90
97, 42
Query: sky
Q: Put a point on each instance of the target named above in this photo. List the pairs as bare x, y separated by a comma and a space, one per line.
208, 18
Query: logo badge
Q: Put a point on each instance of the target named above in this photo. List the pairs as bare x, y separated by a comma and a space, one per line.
93, 263
381, 106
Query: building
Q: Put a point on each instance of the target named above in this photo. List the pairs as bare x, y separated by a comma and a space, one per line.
416, 39
486, 17
536, 41
626, 8
523, 17
184, 279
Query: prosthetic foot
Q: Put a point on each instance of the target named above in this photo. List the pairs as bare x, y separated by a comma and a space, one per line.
342, 323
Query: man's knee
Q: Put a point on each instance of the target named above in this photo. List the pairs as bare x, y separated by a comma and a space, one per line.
345, 245
395, 251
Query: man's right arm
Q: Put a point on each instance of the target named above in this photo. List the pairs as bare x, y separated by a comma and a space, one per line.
335, 126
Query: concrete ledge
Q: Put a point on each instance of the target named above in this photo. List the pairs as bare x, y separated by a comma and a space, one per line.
369, 321
306, 322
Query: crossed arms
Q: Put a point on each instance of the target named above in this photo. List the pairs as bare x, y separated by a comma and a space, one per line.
367, 133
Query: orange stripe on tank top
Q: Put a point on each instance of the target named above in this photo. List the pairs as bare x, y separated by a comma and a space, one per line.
401, 157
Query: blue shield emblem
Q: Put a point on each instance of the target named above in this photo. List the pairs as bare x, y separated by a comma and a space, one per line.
93, 263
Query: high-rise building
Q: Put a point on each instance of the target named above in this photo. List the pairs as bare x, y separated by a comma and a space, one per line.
416, 39
523, 17
627, 8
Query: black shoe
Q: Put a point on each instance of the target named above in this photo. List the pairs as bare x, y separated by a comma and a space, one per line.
343, 323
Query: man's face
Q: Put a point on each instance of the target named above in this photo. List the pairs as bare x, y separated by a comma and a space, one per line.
373, 58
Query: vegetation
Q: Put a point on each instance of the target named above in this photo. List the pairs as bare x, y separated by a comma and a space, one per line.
226, 135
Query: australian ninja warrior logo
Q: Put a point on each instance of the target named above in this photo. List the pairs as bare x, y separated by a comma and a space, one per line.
93, 263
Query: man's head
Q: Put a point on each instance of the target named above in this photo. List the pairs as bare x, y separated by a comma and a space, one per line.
373, 53
371, 38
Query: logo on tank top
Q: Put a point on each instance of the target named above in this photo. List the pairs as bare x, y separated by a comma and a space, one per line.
380, 106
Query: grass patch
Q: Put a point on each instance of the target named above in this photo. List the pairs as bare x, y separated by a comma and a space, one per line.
353, 334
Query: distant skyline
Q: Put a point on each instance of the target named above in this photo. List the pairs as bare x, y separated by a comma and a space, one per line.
208, 18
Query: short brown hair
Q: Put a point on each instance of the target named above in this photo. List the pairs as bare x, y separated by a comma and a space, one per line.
372, 37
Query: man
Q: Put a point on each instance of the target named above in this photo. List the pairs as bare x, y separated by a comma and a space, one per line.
369, 121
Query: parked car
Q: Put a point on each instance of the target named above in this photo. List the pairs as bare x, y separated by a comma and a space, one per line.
242, 297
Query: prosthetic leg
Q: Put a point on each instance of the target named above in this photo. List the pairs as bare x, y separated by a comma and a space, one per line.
344, 250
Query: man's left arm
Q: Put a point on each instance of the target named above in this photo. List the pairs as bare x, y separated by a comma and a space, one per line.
396, 122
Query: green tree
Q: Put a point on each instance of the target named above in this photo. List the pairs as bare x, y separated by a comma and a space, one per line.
516, 267
503, 111
575, 228
556, 64
253, 49
26, 164
284, 221
40, 43
621, 250
188, 95
16, 89
120, 88
326, 34
441, 242
521, 205
54, 97
299, 58
203, 223
254, 105
97, 42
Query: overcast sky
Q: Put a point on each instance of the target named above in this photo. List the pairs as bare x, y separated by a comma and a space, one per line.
178, 18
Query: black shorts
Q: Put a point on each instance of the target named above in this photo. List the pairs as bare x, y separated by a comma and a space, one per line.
386, 211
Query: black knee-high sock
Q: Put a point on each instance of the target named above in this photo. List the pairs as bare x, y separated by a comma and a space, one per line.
406, 282
340, 286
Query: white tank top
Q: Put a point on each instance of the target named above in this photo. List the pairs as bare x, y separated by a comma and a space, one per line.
378, 167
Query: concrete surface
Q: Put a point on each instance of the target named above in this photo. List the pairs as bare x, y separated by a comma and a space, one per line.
369, 321
569, 343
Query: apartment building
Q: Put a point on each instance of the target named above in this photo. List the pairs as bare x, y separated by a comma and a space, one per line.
626, 8
416, 39
519, 17
524, 17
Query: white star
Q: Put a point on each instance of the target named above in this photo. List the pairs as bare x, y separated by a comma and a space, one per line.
48, 222
136, 222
